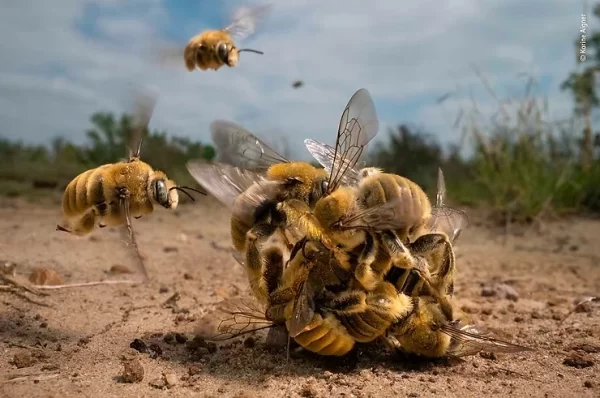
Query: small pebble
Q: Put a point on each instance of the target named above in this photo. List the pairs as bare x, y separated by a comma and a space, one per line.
133, 371
120, 269
170, 339
578, 360
45, 276
23, 360
139, 346
170, 379
194, 370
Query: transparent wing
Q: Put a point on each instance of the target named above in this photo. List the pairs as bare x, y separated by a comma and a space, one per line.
469, 340
358, 125
239, 147
223, 181
245, 20
237, 256
443, 218
232, 318
144, 104
396, 213
324, 154
302, 313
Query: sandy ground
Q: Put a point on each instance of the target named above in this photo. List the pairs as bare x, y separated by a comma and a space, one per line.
77, 346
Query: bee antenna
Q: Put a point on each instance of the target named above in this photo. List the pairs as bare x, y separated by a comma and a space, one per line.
183, 189
251, 50
139, 148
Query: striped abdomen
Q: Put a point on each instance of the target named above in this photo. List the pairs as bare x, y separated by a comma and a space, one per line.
84, 192
414, 206
326, 336
377, 311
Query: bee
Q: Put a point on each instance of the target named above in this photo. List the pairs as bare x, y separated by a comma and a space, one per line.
428, 332
324, 316
361, 315
111, 194
212, 49
268, 193
311, 302
393, 210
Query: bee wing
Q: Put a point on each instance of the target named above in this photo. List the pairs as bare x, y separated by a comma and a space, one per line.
358, 125
239, 147
469, 340
144, 105
446, 219
223, 181
325, 154
245, 21
232, 318
237, 256
396, 213
440, 196
302, 313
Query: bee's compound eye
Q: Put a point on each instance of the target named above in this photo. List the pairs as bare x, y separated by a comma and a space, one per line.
324, 186
223, 52
161, 194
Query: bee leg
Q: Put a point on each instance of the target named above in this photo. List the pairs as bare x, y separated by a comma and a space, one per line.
273, 269
437, 251
298, 214
403, 260
137, 217
63, 229
123, 193
254, 259
101, 225
344, 303
364, 273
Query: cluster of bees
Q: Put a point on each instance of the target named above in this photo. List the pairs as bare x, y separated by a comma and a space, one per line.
342, 254
337, 255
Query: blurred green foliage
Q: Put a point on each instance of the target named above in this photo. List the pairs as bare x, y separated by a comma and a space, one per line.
523, 164
520, 168
23, 167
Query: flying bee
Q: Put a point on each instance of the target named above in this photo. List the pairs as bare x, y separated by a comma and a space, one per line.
112, 193
268, 193
428, 332
211, 49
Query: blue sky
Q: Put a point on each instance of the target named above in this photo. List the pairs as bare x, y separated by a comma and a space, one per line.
63, 60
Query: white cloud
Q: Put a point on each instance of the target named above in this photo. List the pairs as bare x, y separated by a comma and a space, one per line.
400, 52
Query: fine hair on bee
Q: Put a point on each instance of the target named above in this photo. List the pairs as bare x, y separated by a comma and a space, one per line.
427, 332
267, 193
395, 211
111, 194
212, 49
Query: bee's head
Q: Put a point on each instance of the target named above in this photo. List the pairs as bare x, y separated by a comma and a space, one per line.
163, 191
330, 209
227, 53
303, 181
